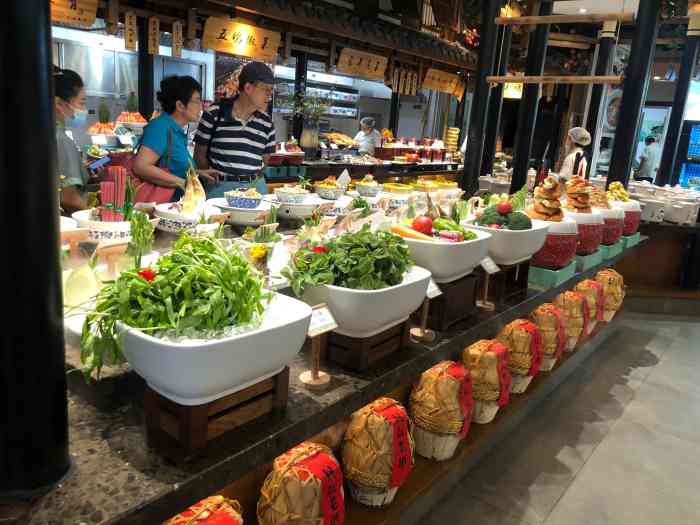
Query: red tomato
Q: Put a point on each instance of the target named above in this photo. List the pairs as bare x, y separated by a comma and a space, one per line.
423, 224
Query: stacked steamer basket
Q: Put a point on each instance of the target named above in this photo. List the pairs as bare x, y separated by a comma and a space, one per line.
305, 486
550, 320
452, 139
592, 290
574, 306
613, 290
487, 361
560, 246
590, 223
524, 342
377, 452
441, 409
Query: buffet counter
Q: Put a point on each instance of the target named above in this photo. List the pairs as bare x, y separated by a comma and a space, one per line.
117, 479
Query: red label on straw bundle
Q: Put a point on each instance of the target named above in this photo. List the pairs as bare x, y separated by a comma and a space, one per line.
504, 376
403, 458
561, 331
222, 515
466, 401
536, 350
328, 471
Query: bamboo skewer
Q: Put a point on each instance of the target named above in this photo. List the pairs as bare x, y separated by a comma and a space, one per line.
552, 79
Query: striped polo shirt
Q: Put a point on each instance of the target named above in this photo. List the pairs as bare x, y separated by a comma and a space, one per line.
237, 147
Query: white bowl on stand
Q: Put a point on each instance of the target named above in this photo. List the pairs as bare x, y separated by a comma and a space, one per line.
514, 246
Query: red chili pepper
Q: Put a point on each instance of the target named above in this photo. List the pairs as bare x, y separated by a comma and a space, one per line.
319, 249
147, 274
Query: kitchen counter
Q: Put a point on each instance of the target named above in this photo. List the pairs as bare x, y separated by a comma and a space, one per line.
118, 479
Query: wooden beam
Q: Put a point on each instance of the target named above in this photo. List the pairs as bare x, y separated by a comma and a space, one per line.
564, 19
552, 79
568, 44
570, 37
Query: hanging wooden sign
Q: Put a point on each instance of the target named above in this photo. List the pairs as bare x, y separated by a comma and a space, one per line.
229, 36
177, 39
130, 31
361, 64
441, 81
74, 12
459, 90
153, 35
404, 81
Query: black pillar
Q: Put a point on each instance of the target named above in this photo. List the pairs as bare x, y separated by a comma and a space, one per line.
493, 120
394, 113
146, 71
33, 402
527, 115
675, 124
561, 103
469, 178
634, 90
606, 48
300, 89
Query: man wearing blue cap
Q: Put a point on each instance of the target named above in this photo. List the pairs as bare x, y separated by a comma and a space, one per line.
237, 136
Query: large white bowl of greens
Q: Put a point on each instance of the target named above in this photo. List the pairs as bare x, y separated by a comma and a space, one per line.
195, 325
366, 278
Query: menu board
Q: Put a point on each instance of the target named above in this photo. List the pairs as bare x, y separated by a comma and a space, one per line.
153, 35
229, 36
130, 31
442, 81
74, 12
177, 39
362, 64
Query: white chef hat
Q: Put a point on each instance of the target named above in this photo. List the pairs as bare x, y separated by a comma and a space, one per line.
580, 136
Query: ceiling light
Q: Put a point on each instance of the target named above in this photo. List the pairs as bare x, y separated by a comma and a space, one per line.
583, 10
657, 78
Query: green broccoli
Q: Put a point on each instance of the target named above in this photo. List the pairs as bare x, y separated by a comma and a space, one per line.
519, 221
491, 216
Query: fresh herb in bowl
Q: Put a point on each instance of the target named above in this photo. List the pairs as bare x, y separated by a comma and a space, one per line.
200, 286
358, 203
363, 260
141, 237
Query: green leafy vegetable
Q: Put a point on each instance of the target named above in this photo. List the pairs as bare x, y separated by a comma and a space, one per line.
360, 203
519, 198
141, 237
364, 260
199, 285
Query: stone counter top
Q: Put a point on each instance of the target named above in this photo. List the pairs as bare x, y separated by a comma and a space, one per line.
118, 479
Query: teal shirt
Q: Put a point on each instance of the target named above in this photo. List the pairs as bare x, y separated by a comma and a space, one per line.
155, 136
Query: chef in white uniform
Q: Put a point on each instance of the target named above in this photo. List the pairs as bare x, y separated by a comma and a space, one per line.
368, 138
575, 162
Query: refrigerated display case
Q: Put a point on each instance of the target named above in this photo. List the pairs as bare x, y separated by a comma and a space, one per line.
687, 169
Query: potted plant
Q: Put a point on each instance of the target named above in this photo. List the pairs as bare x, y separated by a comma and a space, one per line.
311, 108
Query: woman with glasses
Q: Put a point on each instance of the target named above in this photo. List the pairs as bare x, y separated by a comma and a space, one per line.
163, 158
69, 105
236, 136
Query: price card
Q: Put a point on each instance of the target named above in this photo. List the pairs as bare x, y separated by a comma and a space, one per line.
433, 290
322, 321
489, 266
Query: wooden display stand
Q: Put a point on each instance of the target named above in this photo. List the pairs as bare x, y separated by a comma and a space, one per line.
181, 432
360, 353
457, 303
509, 283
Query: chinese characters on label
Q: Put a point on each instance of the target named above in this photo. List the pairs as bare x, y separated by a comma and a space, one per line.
74, 12
177, 39
240, 39
153, 35
361, 64
130, 35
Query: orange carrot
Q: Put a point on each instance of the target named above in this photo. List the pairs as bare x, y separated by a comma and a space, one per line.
409, 233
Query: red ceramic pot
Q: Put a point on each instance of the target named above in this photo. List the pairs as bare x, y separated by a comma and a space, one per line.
559, 247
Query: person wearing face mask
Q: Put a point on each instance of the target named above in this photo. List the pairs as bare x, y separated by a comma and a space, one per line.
163, 158
237, 136
69, 105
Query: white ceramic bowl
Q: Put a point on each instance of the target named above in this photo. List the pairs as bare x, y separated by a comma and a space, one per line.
301, 210
243, 216
514, 246
291, 198
449, 261
199, 372
102, 230
364, 313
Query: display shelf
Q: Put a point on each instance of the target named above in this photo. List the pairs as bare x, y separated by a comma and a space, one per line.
107, 436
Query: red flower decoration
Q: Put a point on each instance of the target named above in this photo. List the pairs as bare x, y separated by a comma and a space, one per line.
319, 249
147, 274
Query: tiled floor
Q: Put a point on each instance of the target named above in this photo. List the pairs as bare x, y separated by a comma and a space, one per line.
617, 443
